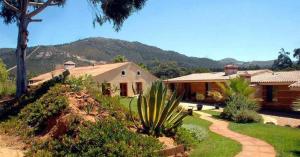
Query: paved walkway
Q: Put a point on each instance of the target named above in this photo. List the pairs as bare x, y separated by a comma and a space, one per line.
251, 147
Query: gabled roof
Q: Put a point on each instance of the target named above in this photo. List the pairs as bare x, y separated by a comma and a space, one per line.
214, 76
277, 77
79, 71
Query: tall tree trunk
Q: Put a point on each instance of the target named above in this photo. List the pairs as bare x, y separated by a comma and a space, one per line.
21, 54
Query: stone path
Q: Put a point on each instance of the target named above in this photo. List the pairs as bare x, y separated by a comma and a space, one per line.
251, 147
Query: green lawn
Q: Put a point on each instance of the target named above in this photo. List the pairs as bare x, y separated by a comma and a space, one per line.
285, 140
126, 101
214, 146
212, 112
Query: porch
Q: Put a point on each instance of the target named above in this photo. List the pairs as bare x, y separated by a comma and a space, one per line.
189, 90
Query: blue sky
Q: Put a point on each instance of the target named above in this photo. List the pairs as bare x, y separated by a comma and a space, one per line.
243, 29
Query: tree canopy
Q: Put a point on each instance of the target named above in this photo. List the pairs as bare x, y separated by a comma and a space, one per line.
297, 55
283, 61
115, 11
119, 59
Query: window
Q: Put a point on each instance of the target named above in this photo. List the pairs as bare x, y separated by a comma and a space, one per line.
138, 73
106, 89
123, 73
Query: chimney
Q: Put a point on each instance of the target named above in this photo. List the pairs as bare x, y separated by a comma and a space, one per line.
69, 65
230, 69
246, 76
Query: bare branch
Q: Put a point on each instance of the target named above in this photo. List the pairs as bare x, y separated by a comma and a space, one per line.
11, 7
41, 8
36, 4
35, 20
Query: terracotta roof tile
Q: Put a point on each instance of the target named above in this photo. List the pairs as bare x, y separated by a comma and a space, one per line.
79, 71
277, 77
213, 76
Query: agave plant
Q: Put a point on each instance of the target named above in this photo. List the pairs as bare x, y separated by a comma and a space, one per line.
157, 114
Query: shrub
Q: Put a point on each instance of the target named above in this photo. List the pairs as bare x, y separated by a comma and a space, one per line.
185, 137
241, 109
296, 105
198, 133
82, 82
217, 96
7, 87
49, 105
103, 138
200, 97
189, 135
247, 116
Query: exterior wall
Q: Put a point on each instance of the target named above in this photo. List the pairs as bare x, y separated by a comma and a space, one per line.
69, 66
115, 77
195, 87
283, 97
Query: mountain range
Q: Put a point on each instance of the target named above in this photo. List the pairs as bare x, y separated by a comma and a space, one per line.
92, 50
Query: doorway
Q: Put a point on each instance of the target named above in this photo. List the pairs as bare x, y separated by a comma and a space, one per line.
187, 91
269, 93
123, 89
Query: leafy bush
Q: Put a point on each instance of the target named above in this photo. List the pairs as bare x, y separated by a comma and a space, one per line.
217, 96
241, 109
7, 87
185, 137
103, 138
246, 116
49, 105
82, 82
296, 105
189, 135
200, 97
197, 132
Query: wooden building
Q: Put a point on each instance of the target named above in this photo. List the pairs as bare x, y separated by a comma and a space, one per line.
274, 90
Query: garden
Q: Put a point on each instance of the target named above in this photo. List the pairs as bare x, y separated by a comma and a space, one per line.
71, 117
241, 113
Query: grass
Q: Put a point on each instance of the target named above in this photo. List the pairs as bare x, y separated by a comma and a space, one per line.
285, 140
212, 112
214, 146
126, 101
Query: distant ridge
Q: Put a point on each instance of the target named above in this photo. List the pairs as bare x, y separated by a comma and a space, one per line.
90, 50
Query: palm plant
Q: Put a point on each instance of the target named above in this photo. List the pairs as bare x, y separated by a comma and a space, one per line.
157, 114
237, 86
